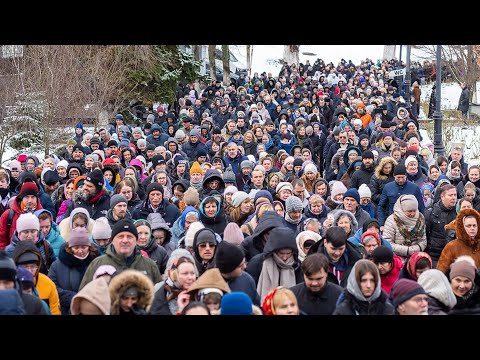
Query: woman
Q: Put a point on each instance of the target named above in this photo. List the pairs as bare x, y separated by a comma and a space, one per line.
280, 301
316, 208
68, 270
181, 273
65, 198
110, 177
89, 161
465, 284
162, 178
241, 208
302, 139
305, 240
414, 174
212, 215
131, 293
454, 172
208, 288
181, 225
127, 190
405, 228
267, 141
146, 242
416, 265
79, 217
204, 247
344, 219
442, 163
441, 298
363, 294
310, 176
382, 176
126, 157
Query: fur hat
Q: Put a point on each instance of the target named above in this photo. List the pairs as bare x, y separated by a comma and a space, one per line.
191, 197
228, 257
238, 198
403, 290
101, 229
27, 221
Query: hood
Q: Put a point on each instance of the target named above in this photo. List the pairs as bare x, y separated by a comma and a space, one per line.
187, 210
126, 279
436, 285
345, 155
212, 174
211, 278
23, 247
354, 289
183, 183
281, 238
338, 213
474, 244
321, 180
96, 292
268, 221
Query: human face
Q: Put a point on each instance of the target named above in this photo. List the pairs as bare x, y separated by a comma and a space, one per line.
367, 285
474, 175
397, 155
412, 166
180, 168
316, 282
155, 197
108, 175
89, 162
30, 164
434, 174
284, 194
120, 210
69, 191
400, 179
286, 307
81, 250
456, 155
471, 226
273, 182
32, 268
245, 206
45, 226
335, 253
350, 204
417, 305
352, 156
316, 208
49, 164
3, 184
30, 235
124, 243
284, 254
456, 171
299, 191
6, 284
30, 201
89, 189
127, 155
321, 189
443, 167
461, 285
127, 192
211, 209
127, 302
370, 245
186, 275
143, 235
79, 223
267, 164
257, 178
159, 236
449, 198
384, 267
206, 250
465, 205
344, 222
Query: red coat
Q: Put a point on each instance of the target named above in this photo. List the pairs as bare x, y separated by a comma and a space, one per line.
5, 238
392, 276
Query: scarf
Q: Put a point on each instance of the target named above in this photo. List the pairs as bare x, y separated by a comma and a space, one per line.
196, 186
275, 272
95, 198
290, 220
410, 228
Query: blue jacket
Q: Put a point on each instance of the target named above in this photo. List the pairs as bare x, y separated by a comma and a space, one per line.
391, 192
235, 162
246, 284
41, 245
356, 239
53, 237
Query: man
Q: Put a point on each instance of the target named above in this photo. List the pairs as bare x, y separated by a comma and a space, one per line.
300, 192
234, 157
45, 200
392, 191
221, 117
256, 181
157, 138
25, 202
340, 253
351, 201
155, 203
457, 155
365, 173
123, 254
409, 298
316, 295
243, 176
230, 260
464, 100
51, 182
5, 193
93, 197
441, 213
194, 144
118, 210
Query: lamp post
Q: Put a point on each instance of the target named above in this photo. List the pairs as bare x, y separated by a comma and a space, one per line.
407, 79
437, 114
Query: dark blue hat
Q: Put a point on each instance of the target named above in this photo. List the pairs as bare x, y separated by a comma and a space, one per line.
353, 193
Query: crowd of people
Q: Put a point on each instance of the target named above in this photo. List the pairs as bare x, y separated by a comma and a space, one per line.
308, 192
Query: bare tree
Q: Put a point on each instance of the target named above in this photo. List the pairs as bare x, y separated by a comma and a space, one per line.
249, 57
291, 54
226, 64
211, 60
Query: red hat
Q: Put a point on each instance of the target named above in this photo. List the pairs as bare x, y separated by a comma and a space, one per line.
160, 109
28, 188
320, 93
267, 305
371, 233
108, 161
22, 158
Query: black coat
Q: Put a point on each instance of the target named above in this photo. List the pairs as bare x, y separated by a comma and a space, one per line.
169, 212
436, 217
97, 210
350, 305
363, 176
321, 303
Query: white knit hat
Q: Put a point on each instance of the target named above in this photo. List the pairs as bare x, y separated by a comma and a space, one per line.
310, 168
284, 185
192, 230
239, 197
364, 191
101, 229
409, 159
230, 190
338, 188
27, 222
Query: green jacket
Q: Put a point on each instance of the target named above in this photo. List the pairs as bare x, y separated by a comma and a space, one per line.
141, 263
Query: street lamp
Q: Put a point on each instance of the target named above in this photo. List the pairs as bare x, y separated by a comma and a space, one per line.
437, 114
407, 80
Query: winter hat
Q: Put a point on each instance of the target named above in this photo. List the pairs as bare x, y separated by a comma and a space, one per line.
157, 159
436, 285
297, 162
124, 225
337, 189
233, 234
399, 170
104, 270
78, 237
263, 194
364, 191
205, 235
24, 276
191, 197
236, 303
154, 186
95, 140
180, 134
96, 178
101, 229
367, 155
382, 254
195, 132
238, 198
8, 269
23, 157
79, 148
28, 257
15, 165
141, 142
403, 290
27, 222
462, 268
353, 193
179, 159
311, 168
117, 199
408, 202
196, 168
191, 232
288, 160
371, 233
228, 257
28, 188
246, 163
283, 185
293, 203
229, 190
229, 175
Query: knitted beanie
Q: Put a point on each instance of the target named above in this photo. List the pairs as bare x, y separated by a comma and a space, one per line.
101, 229
27, 222
239, 197
364, 191
403, 290
196, 168
293, 203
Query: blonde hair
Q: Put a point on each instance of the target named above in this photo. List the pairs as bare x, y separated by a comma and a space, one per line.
281, 295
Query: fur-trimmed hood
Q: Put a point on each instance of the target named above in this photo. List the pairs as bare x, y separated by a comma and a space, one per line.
381, 164
338, 213
460, 229
126, 279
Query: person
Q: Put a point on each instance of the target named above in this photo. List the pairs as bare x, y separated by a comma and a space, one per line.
305, 240
389, 266
464, 280
101, 235
79, 217
467, 240
68, 270
196, 308
441, 298
363, 294
230, 260
181, 225
50, 230
123, 254
118, 209
464, 101
316, 295
209, 288
146, 242
204, 246
212, 215
280, 301
409, 298
181, 274
405, 228
416, 265
131, 293
93, 299
236, 303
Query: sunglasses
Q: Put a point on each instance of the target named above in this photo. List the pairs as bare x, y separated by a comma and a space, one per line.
204, 245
